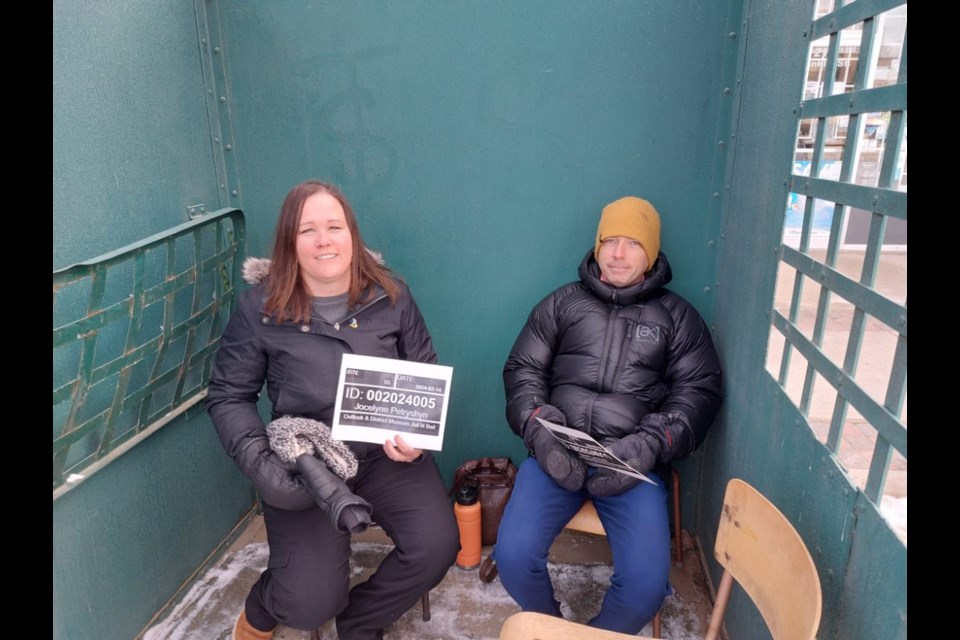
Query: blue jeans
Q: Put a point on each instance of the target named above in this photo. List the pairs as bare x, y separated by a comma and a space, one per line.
638, 531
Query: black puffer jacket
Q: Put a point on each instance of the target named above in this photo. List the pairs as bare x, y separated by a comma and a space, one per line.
301, 366
617, 361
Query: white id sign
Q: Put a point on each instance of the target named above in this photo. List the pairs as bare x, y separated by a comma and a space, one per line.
380, 397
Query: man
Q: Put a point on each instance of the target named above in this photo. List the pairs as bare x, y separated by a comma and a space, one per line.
617, 356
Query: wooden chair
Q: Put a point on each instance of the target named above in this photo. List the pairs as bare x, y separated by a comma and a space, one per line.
756, 546
586, 520
527, 625
759, 548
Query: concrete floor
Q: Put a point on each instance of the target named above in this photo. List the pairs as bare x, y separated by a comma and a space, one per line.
461, 606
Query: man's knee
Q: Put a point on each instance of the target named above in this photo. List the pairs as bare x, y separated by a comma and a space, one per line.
517, 555
647, 586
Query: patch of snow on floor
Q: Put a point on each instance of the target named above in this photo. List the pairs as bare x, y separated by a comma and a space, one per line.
202, 612
895, 512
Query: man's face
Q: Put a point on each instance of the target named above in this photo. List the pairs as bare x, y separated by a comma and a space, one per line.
623, 261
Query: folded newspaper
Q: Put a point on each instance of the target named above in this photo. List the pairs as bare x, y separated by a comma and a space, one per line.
591, 451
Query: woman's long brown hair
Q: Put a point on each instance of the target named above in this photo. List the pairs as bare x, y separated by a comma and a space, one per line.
287, 294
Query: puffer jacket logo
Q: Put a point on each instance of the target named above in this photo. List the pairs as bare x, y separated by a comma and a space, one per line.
645, 333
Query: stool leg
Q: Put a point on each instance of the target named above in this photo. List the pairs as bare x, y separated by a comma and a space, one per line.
656, 625
425, 605
678, 538
314, 634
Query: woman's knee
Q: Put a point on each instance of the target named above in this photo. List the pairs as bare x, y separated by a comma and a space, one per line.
441, 544
308, 609
434, 548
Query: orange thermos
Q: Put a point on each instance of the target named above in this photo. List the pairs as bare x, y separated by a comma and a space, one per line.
467, 509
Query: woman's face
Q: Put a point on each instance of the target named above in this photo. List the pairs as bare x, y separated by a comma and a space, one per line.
324, 246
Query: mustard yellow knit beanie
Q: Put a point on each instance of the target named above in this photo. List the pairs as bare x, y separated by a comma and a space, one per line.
634, 218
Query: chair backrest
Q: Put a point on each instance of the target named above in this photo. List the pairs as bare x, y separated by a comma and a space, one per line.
759, 548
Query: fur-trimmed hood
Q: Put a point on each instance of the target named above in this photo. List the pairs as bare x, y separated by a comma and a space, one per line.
256, 270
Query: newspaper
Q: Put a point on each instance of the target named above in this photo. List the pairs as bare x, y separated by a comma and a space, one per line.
591, 451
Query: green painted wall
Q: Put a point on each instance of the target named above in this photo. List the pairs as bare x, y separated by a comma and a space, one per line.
128, 537
131, 150
478, 142
761, 436
131, 141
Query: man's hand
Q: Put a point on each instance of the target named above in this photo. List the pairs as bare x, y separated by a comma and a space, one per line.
399, 451
547, 412
639, 450
558, 462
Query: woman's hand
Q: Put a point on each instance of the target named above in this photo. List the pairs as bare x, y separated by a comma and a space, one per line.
400, 451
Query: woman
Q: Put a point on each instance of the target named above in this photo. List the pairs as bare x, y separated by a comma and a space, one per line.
327, 295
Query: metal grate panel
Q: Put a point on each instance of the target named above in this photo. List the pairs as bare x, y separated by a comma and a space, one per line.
851, 156
134, 333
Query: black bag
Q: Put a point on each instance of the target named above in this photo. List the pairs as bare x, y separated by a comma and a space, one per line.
494, 478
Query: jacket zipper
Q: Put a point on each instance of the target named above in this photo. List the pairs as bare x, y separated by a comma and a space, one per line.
336, 325
606, 348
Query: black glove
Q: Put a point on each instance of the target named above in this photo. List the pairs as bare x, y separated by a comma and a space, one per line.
639, 450
350, 513
274, 481
558, 462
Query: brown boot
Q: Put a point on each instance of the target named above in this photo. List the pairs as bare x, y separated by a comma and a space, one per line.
245, 631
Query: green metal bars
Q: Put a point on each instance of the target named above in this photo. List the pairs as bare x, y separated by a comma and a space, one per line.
851, 125
134, 333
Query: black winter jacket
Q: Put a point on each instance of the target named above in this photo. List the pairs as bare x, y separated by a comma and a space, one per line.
300, 363
617, 361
